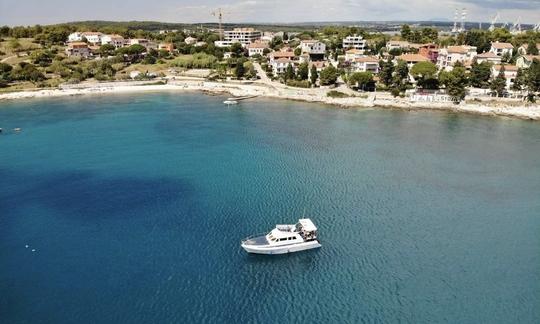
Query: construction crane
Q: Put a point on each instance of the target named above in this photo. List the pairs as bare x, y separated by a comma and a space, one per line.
516, 28
463, 16
493, 22
219, 13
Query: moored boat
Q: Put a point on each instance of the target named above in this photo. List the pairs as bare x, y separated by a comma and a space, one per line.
284, 239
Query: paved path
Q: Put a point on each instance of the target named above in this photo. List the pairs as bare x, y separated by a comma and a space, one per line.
7, 58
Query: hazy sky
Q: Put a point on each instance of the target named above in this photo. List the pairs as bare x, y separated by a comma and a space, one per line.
29, 12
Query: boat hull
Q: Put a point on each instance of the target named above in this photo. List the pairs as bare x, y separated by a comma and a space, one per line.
266, 249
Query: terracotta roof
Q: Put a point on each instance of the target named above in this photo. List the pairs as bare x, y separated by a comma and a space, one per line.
258, 45
413, 58
457, 49
91, 33
488, 55
354, 51
502, 45
400, 43
283, 60
506, 67
309, 41
367, 59
276, 55
77, 44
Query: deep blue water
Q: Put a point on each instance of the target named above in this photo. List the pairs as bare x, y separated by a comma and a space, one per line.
135, 206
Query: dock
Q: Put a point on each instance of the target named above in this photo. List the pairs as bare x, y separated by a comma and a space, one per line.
240, 98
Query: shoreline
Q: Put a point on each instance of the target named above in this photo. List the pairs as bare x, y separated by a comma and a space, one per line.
237, 89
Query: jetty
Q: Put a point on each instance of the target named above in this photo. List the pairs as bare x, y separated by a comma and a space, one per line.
241, 98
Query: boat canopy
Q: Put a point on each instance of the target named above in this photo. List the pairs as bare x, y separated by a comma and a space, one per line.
307, 225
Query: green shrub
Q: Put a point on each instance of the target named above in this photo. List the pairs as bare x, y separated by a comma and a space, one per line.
298, 83
337, 94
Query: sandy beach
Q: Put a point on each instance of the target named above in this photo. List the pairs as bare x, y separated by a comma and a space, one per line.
514, 109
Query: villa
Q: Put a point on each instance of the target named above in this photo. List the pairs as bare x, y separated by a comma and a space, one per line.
393, 44
355, 42
116, 40
92, 37
412, 59
501, 49
366, 64
256, 48
169, 47
430, 51
353, 54
450, 55
525, 61
314, 48
280, 65
190, 40
510, 73
79, 49
488, 57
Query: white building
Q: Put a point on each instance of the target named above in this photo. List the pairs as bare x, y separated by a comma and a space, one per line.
510, 73
450, 55
353, 54
139, 41
190, 40
115, 40
365, 64
243, 36
313, 47
75, 37
393, 44
256, 48
355, 42
93, 37
279, 65
501, 49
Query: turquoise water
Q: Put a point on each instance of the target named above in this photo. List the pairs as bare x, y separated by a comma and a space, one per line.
135, 206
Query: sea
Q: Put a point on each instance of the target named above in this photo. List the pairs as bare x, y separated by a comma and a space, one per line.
130, 209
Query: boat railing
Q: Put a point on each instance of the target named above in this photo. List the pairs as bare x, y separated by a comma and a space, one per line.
253, 236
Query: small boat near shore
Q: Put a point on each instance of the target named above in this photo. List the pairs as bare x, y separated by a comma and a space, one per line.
230, 102
284, 239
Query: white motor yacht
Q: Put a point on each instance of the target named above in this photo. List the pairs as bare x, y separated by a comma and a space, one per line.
284, 239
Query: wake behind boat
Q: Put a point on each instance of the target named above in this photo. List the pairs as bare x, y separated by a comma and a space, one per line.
284, 239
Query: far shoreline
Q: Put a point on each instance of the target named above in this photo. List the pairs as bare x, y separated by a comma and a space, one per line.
376, 100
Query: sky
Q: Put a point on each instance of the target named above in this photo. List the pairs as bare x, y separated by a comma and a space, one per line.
30, 12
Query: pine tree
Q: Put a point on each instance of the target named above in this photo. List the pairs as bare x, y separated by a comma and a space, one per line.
314, 75
386, 72
532, 49
289, 73
498, 85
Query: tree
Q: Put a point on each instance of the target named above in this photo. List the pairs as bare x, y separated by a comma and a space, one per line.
41, 58
480, 74
5, 68
314, 75
478, 38
239, 71
107, 50
250, 70
237, 50
289, 73
27, 72
507, 56
533, 79
455, 82
519, 80
425, 74
303, 71
386, 72
329, 75
498, 84
297, 51
532, 49
405, 32
362, 80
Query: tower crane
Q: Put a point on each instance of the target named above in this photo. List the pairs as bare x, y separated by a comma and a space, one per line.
493, 22
219, 13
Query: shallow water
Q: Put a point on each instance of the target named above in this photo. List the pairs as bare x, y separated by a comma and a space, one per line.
135, 206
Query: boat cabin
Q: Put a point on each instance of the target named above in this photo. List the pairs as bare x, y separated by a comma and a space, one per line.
307, 229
